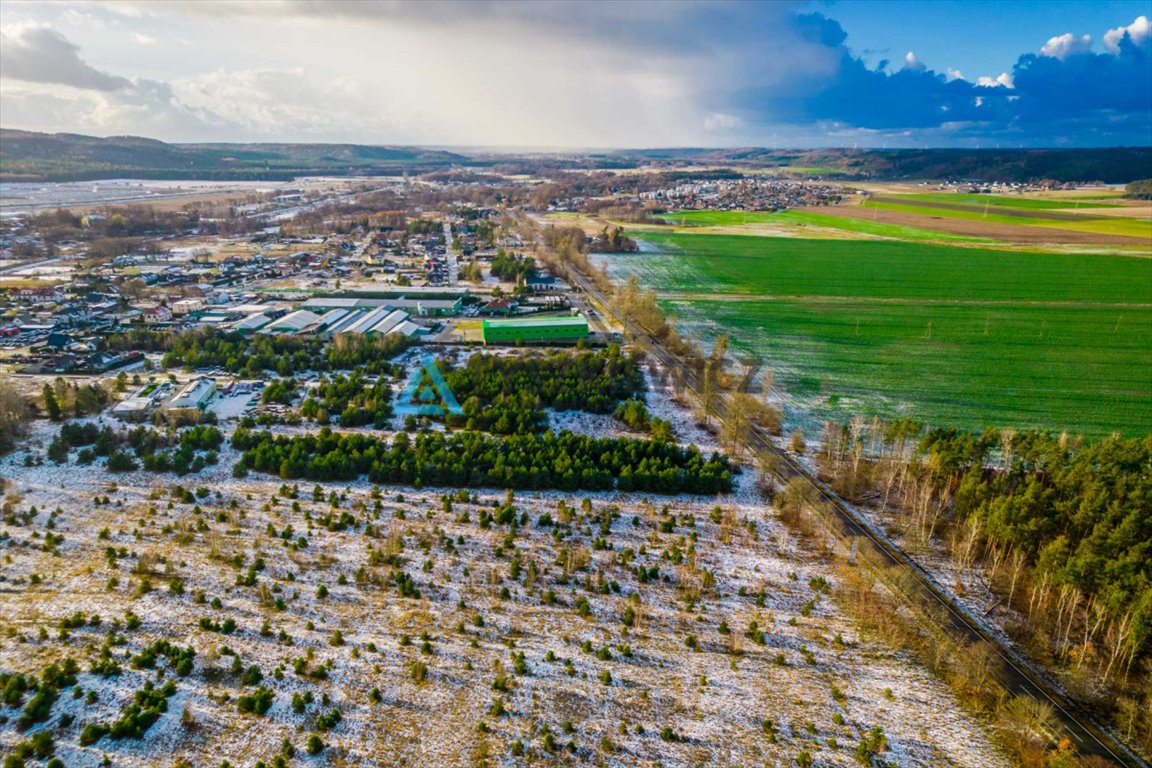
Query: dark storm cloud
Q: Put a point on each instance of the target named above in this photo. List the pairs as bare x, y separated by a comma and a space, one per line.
788, 68
1085, 82
1104, 97
40, 54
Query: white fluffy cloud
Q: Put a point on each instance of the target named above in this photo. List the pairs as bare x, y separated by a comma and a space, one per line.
912, 63
1063, 46
1138, 31
1003, 80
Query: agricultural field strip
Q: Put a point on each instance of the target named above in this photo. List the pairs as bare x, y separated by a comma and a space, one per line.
799, 220
1092, 237
686, 296
1030, 213
1135, 228
1000, 201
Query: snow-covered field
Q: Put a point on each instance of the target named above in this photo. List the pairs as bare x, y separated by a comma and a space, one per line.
814, 678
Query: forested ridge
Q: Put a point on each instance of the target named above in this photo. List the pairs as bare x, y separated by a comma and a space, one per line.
470, 459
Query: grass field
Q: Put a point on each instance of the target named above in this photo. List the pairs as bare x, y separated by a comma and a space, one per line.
808, 219
962, 336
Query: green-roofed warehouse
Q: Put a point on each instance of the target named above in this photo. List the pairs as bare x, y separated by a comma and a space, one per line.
530, 330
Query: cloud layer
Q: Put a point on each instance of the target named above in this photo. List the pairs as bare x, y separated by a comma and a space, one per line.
559, 73
1066, 93
40, 54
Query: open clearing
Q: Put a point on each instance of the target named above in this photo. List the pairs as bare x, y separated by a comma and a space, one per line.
684, 680
961, 336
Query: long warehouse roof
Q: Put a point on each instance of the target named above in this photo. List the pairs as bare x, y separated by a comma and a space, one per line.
393, 319
525, 322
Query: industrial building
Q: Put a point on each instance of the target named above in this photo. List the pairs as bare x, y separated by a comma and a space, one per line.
252, 323
195, 394
423, 305
381, 321
133, 409
534, 330
295, 322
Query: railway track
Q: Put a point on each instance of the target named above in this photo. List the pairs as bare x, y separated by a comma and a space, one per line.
1015, 674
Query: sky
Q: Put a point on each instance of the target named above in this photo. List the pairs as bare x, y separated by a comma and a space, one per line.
563, 73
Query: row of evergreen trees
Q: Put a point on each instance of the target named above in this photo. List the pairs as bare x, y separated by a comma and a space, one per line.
468, 459
252, 355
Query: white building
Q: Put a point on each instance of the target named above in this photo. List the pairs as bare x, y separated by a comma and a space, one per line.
187, 306
195, 394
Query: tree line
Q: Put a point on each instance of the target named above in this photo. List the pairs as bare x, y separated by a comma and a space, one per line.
1062, 528
252, 355
567, 250
470, 459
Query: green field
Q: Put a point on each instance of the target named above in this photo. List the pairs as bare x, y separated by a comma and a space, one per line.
807, 219
961, 336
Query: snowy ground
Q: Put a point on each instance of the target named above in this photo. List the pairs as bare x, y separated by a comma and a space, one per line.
232, 406
715, 698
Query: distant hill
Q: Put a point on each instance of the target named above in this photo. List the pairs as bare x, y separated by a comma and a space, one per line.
1113, 165
31, 156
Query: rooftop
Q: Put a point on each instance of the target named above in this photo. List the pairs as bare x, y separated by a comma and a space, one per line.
521, 322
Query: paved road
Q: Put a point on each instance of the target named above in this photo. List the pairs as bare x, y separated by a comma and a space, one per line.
1015, 674
32, 264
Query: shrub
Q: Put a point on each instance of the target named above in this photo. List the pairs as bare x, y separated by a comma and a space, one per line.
258, 702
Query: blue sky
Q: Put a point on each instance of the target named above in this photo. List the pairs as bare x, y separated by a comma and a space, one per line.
972, 36
562, 73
